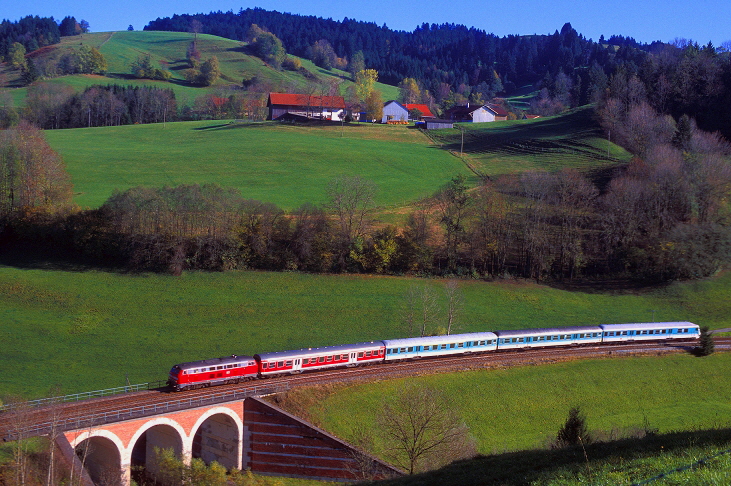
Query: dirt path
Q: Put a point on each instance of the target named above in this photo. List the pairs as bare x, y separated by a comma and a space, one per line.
106, 40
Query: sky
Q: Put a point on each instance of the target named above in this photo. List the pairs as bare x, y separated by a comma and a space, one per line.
644, 20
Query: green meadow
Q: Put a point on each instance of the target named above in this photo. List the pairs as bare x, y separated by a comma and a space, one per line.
91, 330
168, 49
572, 140
283, 164
669, 393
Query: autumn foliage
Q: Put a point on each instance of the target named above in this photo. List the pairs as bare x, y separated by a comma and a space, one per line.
33, 176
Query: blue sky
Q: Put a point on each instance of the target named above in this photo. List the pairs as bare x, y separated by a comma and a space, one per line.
645, 20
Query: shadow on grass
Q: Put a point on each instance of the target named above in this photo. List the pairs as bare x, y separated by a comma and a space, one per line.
42, 258
526, 467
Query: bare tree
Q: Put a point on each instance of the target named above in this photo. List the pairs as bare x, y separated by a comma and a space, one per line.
452, 203
352, 199
55, 415
19, 420
423, 429
455, 300
420, 309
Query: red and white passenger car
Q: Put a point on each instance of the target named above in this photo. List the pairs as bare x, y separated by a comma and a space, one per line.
310, 359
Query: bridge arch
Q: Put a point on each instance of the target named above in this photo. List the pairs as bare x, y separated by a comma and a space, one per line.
218, 436
102, 454
163, 433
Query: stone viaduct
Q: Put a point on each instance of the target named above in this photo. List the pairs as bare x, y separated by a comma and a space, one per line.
244, 434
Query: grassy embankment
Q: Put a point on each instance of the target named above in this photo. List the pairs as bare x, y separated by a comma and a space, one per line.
168, 49
88, 330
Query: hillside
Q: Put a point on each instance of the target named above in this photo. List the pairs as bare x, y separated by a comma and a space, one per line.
167, 49
570, 140
283, 164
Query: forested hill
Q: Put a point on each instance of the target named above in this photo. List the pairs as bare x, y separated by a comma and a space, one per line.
434, 54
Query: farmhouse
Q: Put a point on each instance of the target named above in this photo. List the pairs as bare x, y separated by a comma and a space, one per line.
394, 112
424, 109
476, 113
308, 106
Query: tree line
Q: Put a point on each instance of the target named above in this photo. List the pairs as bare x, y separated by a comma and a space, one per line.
662, 217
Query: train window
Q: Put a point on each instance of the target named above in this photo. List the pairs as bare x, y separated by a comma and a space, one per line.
228, 367
265, 365
321, 359
451, 345
305, 361
460, 345
427, 348
388, 351
280, 364
368, 354
360, 355
402, 350
411, 349
288, 363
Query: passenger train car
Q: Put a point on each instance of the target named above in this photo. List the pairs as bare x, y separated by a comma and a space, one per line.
235, 369
311, 359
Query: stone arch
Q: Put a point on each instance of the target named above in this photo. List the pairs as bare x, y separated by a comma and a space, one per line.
102, 454
217, 436
161, 432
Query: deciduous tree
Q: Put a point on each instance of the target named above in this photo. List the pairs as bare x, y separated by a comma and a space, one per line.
32, 175
423, 429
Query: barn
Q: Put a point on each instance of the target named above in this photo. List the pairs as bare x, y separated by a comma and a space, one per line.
308, 106
476, 113
394, 112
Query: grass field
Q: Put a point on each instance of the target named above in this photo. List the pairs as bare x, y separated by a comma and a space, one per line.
88, 330
571, 140
283, 164
167, 49
668, 393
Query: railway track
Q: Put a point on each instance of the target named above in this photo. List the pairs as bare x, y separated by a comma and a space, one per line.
98, 411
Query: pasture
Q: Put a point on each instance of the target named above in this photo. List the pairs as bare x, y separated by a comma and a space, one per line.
167, 50
90, 330
669, 393
283, 164
572, 140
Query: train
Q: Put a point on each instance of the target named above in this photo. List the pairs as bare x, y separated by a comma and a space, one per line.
238, 369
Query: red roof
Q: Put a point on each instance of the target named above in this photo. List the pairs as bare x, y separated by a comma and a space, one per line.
219, 102
422, 108
288, 99
497, 109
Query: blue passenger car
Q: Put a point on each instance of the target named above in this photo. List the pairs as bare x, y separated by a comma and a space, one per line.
424, 347
649, 331
554, 336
